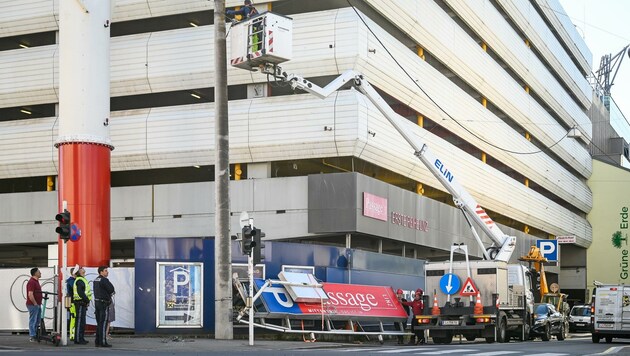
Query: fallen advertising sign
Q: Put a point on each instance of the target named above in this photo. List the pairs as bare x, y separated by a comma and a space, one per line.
345, 300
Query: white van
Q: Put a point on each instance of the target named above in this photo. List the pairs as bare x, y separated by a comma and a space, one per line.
611, 312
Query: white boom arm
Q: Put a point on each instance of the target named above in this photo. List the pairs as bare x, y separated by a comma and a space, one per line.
503, 244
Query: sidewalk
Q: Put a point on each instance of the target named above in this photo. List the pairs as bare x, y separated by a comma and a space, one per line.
166, 343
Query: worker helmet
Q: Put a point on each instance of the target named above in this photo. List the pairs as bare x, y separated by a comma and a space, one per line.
399, 291
419, 291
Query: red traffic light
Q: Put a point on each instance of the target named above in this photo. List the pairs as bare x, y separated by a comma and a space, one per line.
63, 218
64, 224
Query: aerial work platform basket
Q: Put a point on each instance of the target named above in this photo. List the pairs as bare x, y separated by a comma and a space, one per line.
264, 38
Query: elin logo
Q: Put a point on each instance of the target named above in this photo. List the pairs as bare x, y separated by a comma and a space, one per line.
617, 238
443, 170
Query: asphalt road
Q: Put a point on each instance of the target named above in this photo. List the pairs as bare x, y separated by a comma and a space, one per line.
578, 344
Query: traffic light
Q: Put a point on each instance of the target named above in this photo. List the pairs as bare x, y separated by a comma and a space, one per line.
64, 224
258, 245
248, 242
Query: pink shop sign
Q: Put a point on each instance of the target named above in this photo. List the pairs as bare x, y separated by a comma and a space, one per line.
374, 206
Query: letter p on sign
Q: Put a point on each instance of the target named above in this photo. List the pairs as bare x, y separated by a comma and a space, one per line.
177, 281
549, 249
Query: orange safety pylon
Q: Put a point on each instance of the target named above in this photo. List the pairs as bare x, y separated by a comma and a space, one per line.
497, 304
436, 309
478, 306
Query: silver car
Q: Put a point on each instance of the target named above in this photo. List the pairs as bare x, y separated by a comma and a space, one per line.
580, 318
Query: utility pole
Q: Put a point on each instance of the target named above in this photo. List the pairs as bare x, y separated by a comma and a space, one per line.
222, 243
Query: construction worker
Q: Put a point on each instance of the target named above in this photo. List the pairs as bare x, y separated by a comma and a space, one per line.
81, 296
417, 306
72, 309
248, 10
401, 299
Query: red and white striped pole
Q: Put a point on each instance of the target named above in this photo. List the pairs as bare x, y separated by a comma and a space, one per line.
83, 140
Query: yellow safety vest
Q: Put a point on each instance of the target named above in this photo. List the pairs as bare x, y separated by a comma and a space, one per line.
88, 290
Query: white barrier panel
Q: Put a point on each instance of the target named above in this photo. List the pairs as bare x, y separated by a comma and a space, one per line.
13, 297
15, 315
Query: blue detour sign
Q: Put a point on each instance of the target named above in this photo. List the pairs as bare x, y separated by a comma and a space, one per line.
450, 283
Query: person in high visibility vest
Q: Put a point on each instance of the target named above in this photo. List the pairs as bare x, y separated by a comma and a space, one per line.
247, 11
82, 295
72, 309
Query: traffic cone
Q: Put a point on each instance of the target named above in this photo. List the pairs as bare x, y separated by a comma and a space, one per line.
478, 306
497, 303
436, 309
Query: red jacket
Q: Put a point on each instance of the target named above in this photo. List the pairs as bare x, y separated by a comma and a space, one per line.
416, 305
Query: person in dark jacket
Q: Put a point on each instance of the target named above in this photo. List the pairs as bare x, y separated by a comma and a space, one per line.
417, 306
248, 10
103, 293
402, 300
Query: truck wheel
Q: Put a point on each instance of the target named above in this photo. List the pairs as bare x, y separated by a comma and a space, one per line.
437, 340
608, 339
502, 331
547, 335
561, 336
470, 338
595, 338
490, 340
524, 330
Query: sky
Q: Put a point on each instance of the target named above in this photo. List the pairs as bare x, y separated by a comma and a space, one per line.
604, 26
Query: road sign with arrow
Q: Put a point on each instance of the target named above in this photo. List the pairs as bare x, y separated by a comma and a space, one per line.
449, 283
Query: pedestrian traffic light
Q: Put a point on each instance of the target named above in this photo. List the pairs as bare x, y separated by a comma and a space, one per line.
258, 245
64, 224
248, 242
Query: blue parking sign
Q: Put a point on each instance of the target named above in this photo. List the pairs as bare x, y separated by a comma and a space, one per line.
549, 249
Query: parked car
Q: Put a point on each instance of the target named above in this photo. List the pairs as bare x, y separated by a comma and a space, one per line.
580, 318
547, 322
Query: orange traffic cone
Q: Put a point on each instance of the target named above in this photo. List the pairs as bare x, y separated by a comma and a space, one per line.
497, 303
436, 309
478, 306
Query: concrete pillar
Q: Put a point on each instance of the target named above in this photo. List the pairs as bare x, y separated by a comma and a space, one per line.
84, 143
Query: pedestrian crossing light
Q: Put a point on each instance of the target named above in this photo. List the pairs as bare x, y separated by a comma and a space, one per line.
247, 244
258, 245
64, 225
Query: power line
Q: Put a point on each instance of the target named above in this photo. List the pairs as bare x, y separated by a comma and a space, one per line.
438, 105
584, 22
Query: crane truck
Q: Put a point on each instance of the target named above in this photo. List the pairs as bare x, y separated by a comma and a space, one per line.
549, 293
500, 300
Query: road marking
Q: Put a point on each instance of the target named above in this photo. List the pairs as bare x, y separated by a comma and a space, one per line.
496, 353
613, 350
360, 349
444, 352
403, 350
547, 354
